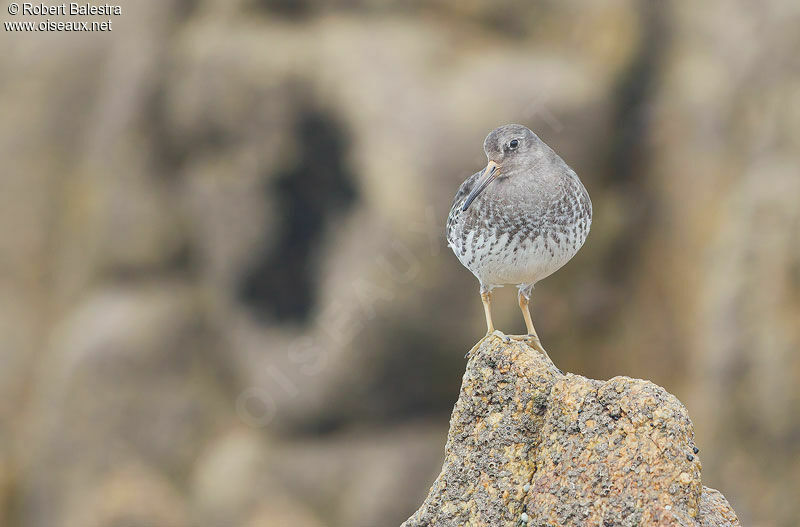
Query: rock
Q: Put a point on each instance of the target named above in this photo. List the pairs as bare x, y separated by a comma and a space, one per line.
5, 476
231, 478
283, 511
375, 476
129, 378
132, 495
565, 450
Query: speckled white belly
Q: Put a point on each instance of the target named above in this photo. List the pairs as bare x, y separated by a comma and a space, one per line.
496, 261
514, 239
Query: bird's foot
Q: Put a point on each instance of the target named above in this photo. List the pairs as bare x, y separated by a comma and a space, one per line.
534, 342
495, 333
499, 334
530, 339
477, 345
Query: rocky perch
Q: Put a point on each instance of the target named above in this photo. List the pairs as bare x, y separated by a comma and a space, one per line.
531, 447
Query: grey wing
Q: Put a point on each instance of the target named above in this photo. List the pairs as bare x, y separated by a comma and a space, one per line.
458, 201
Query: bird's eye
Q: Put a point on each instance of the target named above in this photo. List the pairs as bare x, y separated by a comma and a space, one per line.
513, 144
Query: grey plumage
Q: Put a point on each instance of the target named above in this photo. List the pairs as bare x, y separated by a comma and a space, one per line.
520, 219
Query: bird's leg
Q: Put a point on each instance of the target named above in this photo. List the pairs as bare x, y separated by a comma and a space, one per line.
526, 314
486, 298
524, 300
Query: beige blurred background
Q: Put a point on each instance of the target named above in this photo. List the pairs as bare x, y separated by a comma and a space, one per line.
225, 296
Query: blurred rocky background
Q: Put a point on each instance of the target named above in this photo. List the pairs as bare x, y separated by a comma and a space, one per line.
225, 296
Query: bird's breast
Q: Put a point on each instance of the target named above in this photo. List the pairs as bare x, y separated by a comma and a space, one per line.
507, 244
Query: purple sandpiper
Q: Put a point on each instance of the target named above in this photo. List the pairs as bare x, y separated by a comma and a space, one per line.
518, 220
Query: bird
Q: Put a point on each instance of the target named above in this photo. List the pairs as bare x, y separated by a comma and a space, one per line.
518, 220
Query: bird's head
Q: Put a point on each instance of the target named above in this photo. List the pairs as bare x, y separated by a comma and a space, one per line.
511, 149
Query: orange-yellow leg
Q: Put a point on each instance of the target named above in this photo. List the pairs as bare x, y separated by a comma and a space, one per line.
532, 335
486, 298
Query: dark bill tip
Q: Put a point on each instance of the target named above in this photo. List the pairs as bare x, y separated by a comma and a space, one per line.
488, 175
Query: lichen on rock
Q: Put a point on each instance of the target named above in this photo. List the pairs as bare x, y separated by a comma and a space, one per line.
531, 447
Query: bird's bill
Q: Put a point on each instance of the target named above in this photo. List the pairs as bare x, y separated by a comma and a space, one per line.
489, 174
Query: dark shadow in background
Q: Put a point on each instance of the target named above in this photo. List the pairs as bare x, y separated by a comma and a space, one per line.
629, 151
281, 285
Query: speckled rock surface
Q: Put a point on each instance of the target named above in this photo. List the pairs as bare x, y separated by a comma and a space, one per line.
530, 446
